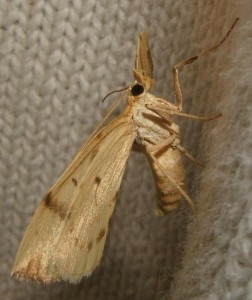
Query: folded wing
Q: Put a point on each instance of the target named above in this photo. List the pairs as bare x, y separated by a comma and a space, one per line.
66, 237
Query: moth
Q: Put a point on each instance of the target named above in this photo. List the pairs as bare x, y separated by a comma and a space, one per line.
66, 236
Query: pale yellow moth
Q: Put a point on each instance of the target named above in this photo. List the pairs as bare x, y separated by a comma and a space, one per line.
66, 236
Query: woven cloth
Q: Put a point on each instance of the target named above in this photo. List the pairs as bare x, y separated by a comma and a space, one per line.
58, 60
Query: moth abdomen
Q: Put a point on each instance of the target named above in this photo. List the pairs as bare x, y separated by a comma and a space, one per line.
169, 195
168, 202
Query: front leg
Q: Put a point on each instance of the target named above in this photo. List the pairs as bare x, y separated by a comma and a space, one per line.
164, 109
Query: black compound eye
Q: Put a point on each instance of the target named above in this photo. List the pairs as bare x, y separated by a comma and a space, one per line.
137, 89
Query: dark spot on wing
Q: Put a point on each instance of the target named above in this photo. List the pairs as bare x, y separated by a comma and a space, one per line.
75, 182
89, 246
97, 180
34, 270
52, 204
34, 266
101, 235
94, 153
99, 135
47, 200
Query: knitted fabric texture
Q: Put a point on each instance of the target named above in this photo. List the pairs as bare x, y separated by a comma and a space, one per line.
58, 60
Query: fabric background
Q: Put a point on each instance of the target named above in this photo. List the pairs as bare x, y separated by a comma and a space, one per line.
59, 58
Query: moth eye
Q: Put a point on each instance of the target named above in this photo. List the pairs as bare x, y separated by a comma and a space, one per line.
137, 89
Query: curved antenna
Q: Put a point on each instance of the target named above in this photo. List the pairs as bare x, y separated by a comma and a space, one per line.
101, 123
116, 91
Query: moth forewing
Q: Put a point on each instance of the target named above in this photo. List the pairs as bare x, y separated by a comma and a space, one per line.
66, 236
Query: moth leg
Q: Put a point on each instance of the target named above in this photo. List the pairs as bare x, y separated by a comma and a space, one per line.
195, 117
182, 192
160, 108
178, 93
175, 143
190, 156
167, 142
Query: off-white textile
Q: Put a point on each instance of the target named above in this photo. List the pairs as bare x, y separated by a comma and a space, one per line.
59, 58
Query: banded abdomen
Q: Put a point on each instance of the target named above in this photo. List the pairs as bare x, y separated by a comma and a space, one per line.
169, 159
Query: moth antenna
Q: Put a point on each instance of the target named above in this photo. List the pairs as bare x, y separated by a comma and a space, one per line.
190, 60
115, 91
224, 38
